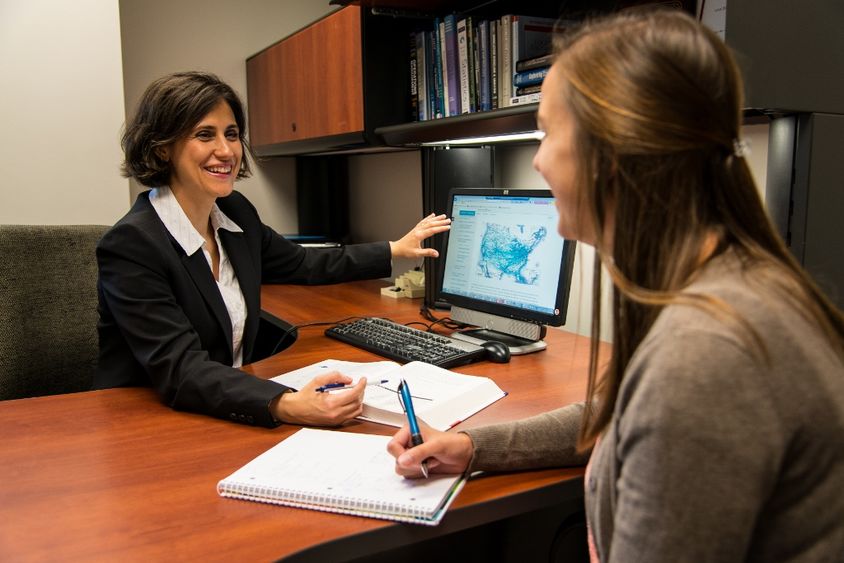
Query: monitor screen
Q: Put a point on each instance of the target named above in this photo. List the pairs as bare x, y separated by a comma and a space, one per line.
503, 255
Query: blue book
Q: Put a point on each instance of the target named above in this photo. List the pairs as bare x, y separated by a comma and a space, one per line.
530, 77
452, 65
483, 58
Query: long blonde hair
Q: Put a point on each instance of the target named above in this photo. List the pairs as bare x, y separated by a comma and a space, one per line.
656, 99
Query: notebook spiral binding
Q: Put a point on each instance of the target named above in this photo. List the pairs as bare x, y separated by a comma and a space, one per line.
324, 503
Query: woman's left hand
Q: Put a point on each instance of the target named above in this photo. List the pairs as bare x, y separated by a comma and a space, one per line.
410, 245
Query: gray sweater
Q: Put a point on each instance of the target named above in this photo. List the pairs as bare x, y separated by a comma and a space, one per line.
712, 454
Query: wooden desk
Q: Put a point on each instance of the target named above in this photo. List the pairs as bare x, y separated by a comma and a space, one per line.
115, 475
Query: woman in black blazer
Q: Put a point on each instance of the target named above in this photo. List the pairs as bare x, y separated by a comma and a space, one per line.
180, 274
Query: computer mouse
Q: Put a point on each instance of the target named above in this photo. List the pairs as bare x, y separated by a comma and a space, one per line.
496, 351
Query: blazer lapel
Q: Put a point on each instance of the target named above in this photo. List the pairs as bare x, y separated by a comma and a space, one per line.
197, 267
237, 250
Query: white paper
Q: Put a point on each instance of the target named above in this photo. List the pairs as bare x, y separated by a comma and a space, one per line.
441, 398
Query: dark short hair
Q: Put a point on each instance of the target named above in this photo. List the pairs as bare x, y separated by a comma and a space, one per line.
169, 108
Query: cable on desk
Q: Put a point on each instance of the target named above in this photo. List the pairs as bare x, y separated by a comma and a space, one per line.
447, 322
287, 332
424, 311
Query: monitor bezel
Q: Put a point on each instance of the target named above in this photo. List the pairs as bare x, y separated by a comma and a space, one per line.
507, 311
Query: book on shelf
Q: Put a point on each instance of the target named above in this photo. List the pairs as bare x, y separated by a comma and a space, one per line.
442, 398
437, 70
485, 102
464, 64
532, 36
505, 60
535, 62
414, 79
526, 99
528, 90
463, 53
529, 77
447, 100
471, 33
452, 70
344, 472
422, 104
493, 64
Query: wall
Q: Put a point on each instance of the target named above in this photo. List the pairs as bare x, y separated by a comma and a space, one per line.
163, 36
385, 198
61, 107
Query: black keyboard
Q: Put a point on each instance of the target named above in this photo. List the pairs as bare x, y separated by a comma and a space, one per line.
406, 344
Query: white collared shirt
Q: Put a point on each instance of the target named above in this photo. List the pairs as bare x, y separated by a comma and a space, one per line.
174, 218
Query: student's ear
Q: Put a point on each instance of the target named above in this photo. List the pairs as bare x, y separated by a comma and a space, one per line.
610, 164
162, 153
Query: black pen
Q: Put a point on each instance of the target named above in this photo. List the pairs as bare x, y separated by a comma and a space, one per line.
415, 435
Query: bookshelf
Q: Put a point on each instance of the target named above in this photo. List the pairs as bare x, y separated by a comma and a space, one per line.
342, 83
496, 122
421, 16
503, 120
787, 52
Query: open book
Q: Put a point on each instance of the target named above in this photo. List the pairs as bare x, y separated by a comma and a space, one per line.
341, 472
441, 398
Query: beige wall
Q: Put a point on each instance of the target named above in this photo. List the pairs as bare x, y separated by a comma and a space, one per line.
163, 36
385, 198
61, 106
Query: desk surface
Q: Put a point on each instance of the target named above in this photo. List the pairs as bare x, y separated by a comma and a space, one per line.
114, 474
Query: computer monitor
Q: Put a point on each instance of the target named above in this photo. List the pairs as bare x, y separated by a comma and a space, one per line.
506, 269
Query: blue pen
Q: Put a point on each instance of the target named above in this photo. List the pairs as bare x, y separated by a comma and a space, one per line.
340, 386
415, 435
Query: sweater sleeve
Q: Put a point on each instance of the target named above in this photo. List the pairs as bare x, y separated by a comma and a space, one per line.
545, 440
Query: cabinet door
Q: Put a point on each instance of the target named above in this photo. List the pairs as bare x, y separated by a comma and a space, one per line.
308, 85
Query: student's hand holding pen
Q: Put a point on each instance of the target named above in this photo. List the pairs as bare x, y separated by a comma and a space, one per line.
444, 452
310, 407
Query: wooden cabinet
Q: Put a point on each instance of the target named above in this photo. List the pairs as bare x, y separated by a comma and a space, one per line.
308, 85
327, 86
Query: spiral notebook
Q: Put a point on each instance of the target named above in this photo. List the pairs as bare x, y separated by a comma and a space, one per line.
341, 472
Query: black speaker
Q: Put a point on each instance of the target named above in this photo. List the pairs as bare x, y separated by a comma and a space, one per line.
442, 170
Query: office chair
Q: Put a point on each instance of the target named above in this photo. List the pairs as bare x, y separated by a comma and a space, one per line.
48, 309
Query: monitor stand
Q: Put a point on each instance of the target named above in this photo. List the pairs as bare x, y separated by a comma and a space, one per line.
521, 337
516, 345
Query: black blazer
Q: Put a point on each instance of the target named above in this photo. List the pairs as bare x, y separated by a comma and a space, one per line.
163, 321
